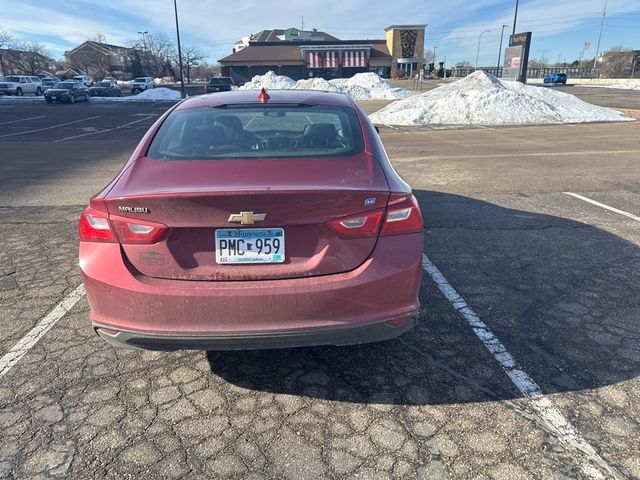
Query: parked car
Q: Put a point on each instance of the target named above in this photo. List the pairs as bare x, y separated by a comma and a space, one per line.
246, 220
19, 85
556, 78
86, 80
105, 89
48, 82
218, 84
68, 91
142, 83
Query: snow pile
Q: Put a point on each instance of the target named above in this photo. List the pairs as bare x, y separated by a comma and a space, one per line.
159, 93
315, 84
362, 86
269, 81
369, 86
482, 99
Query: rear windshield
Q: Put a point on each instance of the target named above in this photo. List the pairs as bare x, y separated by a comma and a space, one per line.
12, 79
258, 131
220, 81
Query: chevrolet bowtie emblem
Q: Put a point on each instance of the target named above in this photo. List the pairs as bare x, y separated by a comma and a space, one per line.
247, 218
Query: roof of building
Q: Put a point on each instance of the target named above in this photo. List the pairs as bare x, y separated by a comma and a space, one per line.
104, 47
287, 51
406, 27
272, 35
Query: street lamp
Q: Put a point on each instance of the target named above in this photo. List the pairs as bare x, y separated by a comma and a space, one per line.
144, 49
182, 93
478, 52
500, 49
144, 39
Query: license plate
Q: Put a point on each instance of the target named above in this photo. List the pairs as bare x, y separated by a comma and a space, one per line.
250, 245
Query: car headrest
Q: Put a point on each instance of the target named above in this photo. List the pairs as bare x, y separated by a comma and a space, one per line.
229, 121
319, 135
207, 135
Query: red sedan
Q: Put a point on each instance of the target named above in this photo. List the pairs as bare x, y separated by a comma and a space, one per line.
246, 220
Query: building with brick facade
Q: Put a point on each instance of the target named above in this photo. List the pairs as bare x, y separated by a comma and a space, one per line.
401, 50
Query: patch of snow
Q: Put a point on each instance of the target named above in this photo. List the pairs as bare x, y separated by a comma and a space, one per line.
315, 84
626, 85
160, 93
362, 86
269, 81
482, 99
370, 86
151, 94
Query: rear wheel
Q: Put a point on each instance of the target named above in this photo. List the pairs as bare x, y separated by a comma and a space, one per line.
19, 92
49, 100
38, 92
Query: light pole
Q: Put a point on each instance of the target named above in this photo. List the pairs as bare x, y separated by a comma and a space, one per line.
558, 61
595, 59
144, 39
500, 48
182, 93
144, 44
515, 18
478, 52
434, 55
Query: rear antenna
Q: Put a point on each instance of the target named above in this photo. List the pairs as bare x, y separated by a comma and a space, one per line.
263, 96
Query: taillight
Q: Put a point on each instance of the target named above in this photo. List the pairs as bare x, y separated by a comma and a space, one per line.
94, 226
366, 224
129, 230
403, 217
97, 226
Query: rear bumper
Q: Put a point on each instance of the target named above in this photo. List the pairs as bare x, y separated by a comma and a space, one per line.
346, 308
367, 333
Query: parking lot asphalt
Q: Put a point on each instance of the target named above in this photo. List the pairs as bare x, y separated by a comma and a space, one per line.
554, 279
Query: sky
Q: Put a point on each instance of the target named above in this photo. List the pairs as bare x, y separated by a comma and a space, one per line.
454, 27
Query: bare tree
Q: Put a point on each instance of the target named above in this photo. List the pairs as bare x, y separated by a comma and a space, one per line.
207, 70
464, 64
6, 43
192, 56
30, 58
616, 62
99, 37
155, 53
429, 55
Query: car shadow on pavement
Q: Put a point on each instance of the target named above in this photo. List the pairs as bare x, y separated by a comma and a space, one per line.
561, 295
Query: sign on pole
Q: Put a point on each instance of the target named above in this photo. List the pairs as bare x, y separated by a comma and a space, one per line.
516, 57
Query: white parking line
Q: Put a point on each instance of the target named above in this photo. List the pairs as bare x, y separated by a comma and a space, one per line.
22, 120
519, 155
605, 206
48, 128
548, 413
27, 342
106, 129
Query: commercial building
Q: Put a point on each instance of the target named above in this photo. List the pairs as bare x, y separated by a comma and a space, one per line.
400, 52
